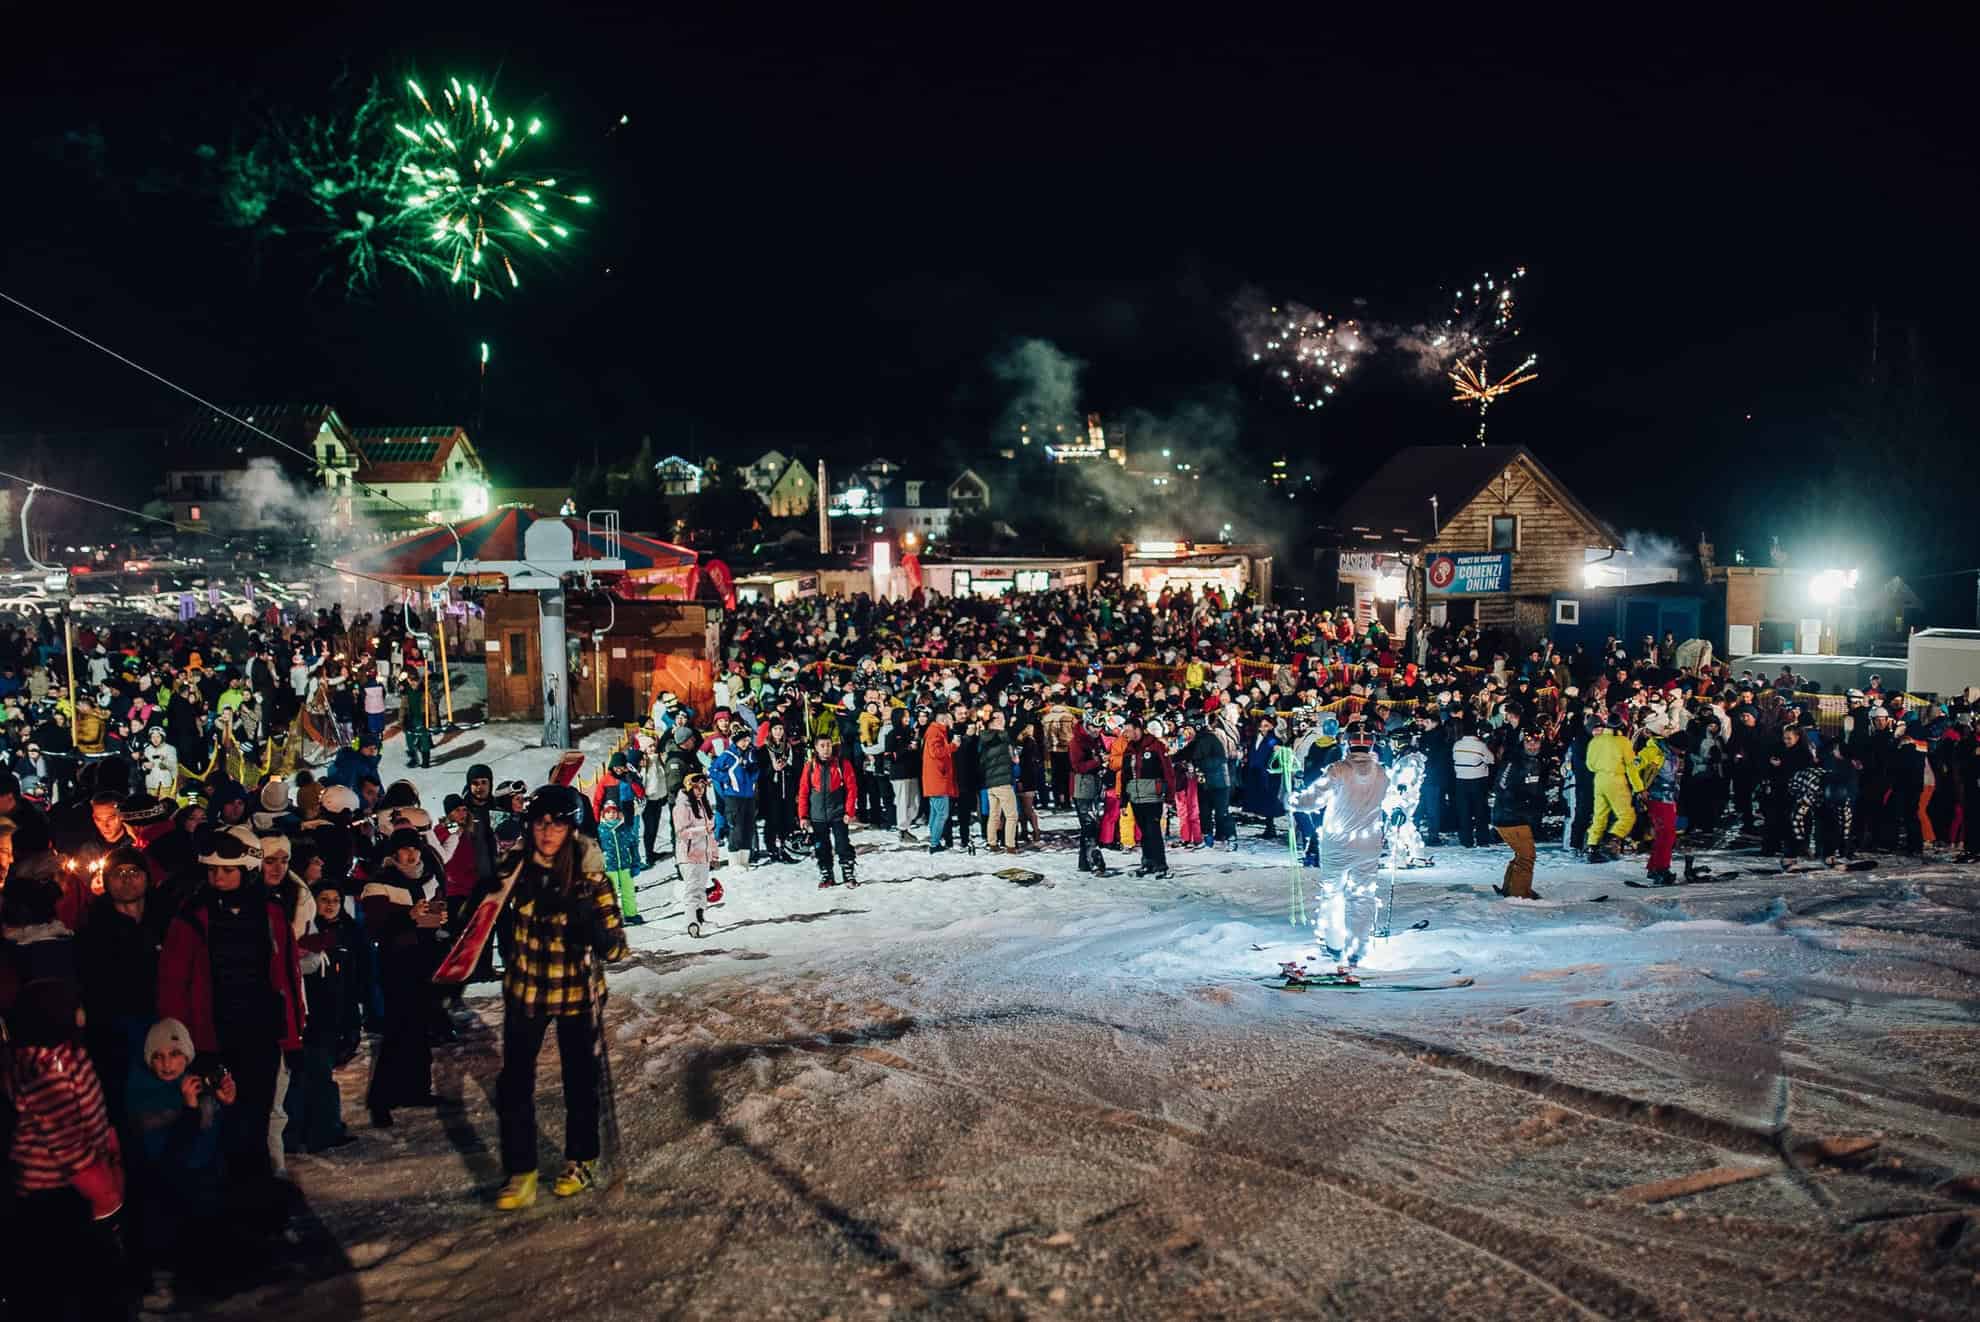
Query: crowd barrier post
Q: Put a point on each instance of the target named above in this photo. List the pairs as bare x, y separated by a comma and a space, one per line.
446, 677
69, 651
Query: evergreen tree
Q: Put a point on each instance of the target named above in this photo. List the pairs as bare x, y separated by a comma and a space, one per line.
640, 505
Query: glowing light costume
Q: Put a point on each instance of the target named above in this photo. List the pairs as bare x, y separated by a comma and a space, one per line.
1399, 810
1352, 794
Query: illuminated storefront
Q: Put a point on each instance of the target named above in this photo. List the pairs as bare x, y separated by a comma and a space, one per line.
1182, 566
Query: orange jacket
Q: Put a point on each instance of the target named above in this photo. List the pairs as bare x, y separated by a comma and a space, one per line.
938, 762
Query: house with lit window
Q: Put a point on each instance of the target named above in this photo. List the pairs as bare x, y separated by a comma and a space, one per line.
679, 477
288, 462
887, 498
410, 475
793, 493
761, 474
1466, 534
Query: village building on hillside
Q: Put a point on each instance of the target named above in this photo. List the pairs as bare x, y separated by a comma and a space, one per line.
884, 497
679, 477
759, 475
224, 477
792, 493
409, 475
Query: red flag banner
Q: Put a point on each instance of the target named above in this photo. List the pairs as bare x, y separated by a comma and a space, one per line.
723, 581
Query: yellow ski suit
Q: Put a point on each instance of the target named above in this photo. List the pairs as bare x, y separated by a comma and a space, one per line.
1617, 782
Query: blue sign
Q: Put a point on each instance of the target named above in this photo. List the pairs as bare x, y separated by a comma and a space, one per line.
1454, 574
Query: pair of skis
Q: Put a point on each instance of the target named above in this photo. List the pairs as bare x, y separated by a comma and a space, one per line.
1697, 876
1296, 977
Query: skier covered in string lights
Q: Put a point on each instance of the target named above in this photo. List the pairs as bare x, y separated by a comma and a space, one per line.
1350, 795
1405, 789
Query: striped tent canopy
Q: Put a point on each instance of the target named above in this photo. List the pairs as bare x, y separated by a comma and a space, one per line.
422, 558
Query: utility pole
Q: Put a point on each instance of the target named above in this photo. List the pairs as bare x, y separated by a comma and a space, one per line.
824, 515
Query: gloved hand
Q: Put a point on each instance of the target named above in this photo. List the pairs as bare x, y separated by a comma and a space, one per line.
581, 924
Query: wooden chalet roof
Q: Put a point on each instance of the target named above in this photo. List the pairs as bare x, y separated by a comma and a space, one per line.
405, 454
1395, 500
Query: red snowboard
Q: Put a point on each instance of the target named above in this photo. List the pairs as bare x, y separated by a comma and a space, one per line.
461, 960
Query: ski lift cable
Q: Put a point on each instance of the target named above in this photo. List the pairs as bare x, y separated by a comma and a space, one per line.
315, 465
34, 486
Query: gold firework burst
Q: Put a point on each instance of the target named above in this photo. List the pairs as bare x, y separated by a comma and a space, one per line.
1475, 385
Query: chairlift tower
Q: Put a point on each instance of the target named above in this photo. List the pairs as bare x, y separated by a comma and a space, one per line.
57, 582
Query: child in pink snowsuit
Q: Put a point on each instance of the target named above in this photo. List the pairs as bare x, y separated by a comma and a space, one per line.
1189, 810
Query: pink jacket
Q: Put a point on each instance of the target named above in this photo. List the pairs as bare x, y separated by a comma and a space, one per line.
694, 835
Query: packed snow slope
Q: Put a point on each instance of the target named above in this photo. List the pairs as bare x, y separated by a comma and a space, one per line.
952, 1094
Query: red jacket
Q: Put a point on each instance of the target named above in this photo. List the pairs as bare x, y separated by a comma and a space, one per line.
1147, 759
938, 762
609, 784
185, 974
1086, 753
842, 773
460, 868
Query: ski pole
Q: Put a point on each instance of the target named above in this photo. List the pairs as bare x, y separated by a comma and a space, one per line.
1389, 905
603, 1055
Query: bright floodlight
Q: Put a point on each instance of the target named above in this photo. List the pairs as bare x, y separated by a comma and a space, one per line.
883, 568
1828, 586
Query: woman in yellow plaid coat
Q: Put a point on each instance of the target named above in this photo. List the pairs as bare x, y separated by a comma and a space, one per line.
559, 927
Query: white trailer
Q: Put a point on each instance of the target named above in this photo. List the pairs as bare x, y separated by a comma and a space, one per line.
1944, 662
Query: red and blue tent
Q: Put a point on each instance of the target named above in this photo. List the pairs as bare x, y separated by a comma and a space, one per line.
422, 557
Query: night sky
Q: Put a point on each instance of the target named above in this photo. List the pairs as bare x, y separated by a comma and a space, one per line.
815, 234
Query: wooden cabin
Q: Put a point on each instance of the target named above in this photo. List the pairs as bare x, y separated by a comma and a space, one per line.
642, 648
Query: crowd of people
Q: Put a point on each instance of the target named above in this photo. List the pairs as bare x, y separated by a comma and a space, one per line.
215, 893
189, 953
1167, 720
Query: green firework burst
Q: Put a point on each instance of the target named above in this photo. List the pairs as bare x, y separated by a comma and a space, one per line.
463, 194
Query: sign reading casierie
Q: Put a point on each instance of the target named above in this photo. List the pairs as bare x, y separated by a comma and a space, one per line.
1454, 574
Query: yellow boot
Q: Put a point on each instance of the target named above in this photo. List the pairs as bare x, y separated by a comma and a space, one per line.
577, 1177
518, 1193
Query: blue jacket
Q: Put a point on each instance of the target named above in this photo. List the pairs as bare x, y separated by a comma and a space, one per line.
734, 773
1263, 791
620, 856
174, 1146
349, 766
1662, 785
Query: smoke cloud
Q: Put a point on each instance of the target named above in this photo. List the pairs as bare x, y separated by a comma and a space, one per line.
1652, 550
1043, 383
1206, 481
280, 501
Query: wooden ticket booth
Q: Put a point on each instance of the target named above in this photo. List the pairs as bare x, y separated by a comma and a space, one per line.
623, 655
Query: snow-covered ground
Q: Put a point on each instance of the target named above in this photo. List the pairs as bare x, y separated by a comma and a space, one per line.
949, 1093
